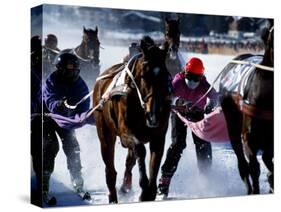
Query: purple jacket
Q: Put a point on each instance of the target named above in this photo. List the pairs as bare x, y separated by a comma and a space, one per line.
56, 89
181, 90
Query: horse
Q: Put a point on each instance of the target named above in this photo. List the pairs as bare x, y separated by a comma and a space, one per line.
88, 53
138, 116
172, 42
249, 117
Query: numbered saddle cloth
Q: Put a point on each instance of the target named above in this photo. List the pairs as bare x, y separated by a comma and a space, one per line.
235, 76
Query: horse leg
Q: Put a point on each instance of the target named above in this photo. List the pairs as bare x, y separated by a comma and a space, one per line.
234, 124
267, 157
130, 163
107, 151
143, 181
156, 153
254, 166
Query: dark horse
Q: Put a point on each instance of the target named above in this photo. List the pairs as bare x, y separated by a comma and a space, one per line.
134, 122
172, 43
250, 119
88, 53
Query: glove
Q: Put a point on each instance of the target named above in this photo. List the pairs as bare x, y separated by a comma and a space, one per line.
183, 102
194, 114
209, 108
60, 105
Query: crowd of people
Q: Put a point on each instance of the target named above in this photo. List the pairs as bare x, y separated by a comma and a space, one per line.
229, 47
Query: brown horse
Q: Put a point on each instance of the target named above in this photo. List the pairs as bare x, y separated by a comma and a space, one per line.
134, 122
172, 43
88, 53
89, 49
250, 117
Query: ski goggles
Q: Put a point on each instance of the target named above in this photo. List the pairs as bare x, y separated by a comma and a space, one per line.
193, 77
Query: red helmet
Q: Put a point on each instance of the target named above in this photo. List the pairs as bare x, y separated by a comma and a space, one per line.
194, 66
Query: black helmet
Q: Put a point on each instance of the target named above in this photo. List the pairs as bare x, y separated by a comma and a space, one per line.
51, 41
68, 67
67, 61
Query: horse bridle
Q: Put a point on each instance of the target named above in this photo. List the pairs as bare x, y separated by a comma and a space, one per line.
130, 74
84, 60
81, 58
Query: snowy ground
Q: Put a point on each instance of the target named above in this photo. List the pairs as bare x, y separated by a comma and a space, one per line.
223, 179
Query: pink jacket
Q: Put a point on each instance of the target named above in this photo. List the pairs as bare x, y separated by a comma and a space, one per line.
181, 90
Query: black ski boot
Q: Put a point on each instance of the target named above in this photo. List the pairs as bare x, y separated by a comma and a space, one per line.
78, 183
163, 186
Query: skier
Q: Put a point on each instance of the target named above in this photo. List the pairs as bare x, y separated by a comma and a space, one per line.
188, 86
36, 117
50, 52
64, 83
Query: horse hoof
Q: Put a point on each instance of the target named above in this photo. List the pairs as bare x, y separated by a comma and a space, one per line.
112, 198
127, 184
147, 196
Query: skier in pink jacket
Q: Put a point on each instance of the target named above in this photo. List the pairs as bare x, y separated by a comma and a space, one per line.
188, 87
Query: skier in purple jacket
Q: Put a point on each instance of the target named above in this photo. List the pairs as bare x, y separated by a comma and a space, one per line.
63, 84
188, 87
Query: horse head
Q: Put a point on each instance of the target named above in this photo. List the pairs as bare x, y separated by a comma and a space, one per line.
153, 80
172, 37
90, 44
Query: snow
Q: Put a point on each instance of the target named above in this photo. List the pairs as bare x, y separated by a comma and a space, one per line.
222, 180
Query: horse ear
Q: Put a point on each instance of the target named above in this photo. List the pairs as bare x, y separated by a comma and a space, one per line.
84, 29
96, 29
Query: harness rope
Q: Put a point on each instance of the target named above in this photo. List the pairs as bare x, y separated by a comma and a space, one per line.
136, 86
208, 91
263, 67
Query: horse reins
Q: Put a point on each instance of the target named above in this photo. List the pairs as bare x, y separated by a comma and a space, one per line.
133, 80
102, 101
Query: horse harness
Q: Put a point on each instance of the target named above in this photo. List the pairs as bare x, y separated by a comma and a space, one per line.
114, 90
247, 108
